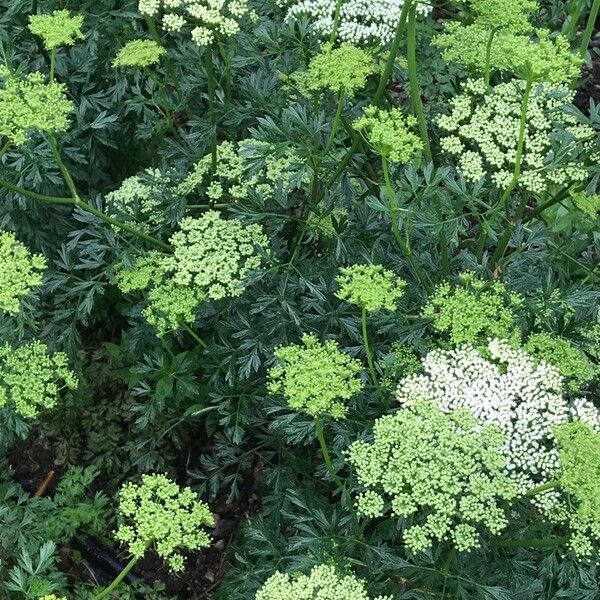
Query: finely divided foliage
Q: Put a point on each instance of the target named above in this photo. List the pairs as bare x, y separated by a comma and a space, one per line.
299, 300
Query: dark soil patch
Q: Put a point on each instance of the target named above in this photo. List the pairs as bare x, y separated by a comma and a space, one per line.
590, 88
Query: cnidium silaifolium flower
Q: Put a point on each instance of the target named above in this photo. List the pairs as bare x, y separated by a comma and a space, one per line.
443, 472
211, 260
474, 310
238, 177
138, 53
58, 29
30, 104
315, 377
483, 126
207, 20
323, 581
571, 362
52, 597
588, 204
390, 133
158, 513
20, 272
31, 378
579, 453
361, 23
372, 287
343, 70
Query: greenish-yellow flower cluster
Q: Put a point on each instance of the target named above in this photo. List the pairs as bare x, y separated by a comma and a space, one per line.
20, 272
322, 583
571, 362
158, 513
389, 133
317, 378
30, 104
588, 204
139, 53
444, 472
474, 311
52, 597
501, 38
31, 377
344, 69
211, 259
371, 287
482, 131
235, 177
579, 451
57, 29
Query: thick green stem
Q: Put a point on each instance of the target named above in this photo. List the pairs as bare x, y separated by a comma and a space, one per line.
34, 195
77, 201
336, 120
520, 143
391, 59
542, 488
336, 21
415, 90
195, 336
324, 449
106, 591
368, 351
488, 58
589, 28
212, 108
394, 213
228, 74
52, 63
531, 543
572, 21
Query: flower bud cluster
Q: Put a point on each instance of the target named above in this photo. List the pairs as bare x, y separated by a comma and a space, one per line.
30, 104
371, 287
442, 471
138, 53
57, 29
322, 583
389, 133
20, 272
482, 132
209, 20
362, 22
158, 513
315, 377
31, 377
474, 311
236, 177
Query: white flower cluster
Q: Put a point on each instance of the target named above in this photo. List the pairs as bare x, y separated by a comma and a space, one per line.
210, 19
482, 130
512, 390
361, 22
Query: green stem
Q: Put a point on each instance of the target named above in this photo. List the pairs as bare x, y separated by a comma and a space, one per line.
391, 59
589, 29
413, 77
34, 195
5, 148
542, 488
488, 57
336, 120
540, 208
343, 163
228, 75
165, 58
324, 449
394, 213
164, 100
210, 76
508, 231
77, 201
572, 21
520, 142
195, 336
531, 543
336, 21
368, 351
52, 63
106, 591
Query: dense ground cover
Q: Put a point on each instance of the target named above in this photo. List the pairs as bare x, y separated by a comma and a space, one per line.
299, 300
